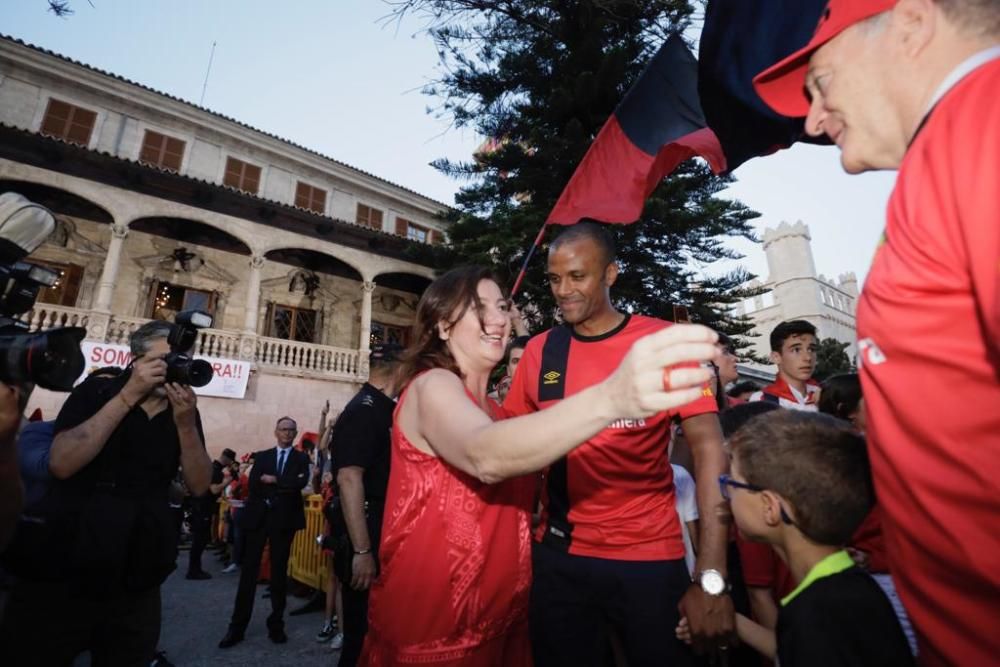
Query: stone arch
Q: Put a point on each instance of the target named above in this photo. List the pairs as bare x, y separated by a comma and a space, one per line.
63, 199
293, 248
404, 281
311, 284
197, 232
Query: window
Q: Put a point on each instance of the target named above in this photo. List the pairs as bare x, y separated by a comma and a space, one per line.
369, 217
411, 231
170, 299
389, 333
308, 197
162, 151
67, 287
292, 323
70, 123
242, 175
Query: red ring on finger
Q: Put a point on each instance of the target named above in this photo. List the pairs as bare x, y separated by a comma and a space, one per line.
666, 379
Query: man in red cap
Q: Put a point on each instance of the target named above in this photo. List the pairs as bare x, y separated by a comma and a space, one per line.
914, 85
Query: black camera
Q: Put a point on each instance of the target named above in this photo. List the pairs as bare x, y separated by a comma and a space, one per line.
49, 359
181, 368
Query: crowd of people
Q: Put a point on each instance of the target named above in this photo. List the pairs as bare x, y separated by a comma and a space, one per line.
617, 497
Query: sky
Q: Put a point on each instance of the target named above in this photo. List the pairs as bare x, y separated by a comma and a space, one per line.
335, 76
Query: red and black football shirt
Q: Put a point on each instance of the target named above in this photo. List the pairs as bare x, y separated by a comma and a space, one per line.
612, 497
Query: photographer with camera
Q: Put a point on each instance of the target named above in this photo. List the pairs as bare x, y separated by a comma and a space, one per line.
118, 444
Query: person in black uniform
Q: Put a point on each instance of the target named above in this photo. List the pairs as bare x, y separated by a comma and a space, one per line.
203, 508
361, 450
273, 513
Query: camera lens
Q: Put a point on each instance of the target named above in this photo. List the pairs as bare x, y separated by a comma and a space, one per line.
51, 359
182, 369
199, 373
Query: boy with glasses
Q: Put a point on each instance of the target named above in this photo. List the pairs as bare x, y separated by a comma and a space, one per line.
801, 483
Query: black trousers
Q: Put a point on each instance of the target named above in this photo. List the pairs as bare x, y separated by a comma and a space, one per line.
576, 600
280, 539
201, 525
355, 622
47, 624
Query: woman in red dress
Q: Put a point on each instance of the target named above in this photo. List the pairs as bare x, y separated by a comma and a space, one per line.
455, 555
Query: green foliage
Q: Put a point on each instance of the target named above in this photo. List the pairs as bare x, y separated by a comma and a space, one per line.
831, 359
542, 77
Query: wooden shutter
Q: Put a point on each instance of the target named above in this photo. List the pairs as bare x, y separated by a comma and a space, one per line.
242, 175
162, 151
401, 226
68, 122
308, 197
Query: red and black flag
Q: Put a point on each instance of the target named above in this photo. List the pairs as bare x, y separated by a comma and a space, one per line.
658, 125
740, 39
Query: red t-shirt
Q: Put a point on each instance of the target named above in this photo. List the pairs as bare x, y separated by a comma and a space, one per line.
612, 497
929, 344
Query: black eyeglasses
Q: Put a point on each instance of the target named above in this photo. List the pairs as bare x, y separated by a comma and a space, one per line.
725, 481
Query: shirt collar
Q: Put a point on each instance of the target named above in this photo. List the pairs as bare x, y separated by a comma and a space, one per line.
964, 68
832, 564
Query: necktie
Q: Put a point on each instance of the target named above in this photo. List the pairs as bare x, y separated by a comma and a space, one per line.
281, 461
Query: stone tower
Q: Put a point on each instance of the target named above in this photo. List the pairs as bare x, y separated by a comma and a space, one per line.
797, 292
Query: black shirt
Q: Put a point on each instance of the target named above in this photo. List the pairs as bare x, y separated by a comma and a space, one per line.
142, 454
361, 437
843, 619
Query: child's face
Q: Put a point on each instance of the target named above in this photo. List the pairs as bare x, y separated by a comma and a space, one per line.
797, 358
746, 507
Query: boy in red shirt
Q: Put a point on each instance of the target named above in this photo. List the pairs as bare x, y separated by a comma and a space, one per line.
793, 351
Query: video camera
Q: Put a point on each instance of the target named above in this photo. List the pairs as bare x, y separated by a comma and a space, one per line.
49, 359
181, 368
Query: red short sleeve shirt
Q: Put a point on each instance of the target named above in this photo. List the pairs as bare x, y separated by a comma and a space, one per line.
929, 346
613, 496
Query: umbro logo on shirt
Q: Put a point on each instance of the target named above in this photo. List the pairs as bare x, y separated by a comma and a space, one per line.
552, 377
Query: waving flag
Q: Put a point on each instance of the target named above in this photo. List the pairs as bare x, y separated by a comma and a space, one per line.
658, 125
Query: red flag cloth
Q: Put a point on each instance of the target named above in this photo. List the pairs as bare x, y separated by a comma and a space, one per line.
657, 126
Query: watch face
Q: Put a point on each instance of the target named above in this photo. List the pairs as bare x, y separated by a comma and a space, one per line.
712, 582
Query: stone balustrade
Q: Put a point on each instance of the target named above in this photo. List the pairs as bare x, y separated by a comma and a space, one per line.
46, 316
269, 355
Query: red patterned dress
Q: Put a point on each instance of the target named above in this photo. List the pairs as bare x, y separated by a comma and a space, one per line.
456, 567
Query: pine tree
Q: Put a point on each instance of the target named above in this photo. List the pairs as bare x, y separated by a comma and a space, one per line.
831, 359
541, 77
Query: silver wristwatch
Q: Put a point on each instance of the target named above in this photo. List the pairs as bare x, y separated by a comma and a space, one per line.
712, 582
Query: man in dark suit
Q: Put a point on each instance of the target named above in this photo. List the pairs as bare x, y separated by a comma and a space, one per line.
273, 513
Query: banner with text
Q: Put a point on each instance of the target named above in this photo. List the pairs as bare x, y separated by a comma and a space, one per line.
228, 381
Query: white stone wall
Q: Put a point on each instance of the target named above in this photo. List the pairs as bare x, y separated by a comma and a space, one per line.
29, 78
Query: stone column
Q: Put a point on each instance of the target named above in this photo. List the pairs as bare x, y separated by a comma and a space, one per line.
253, 294
367, 288
106, 284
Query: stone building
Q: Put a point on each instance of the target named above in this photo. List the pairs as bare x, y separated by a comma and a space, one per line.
164, 206
798, 293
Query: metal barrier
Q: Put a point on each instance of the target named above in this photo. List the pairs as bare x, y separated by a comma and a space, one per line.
307, 562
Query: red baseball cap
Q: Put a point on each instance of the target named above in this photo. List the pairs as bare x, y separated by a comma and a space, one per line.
782, 85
